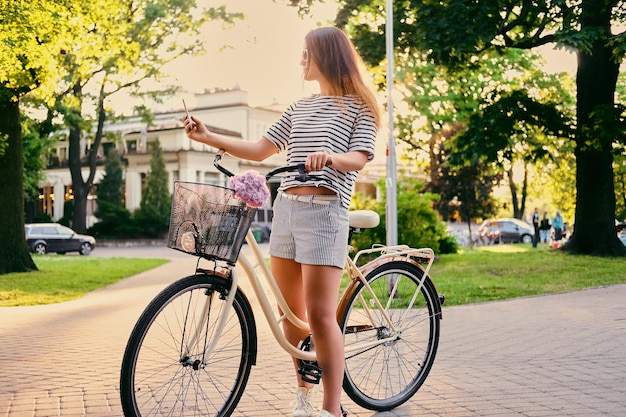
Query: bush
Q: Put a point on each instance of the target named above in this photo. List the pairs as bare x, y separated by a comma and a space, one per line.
419, 225
448, 245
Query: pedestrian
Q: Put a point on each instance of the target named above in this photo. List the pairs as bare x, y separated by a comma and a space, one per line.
536, 227
557, 225
333, 133
544, 228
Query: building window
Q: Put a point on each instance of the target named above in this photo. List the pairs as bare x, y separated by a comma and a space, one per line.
144, 182
211, 178
46, 201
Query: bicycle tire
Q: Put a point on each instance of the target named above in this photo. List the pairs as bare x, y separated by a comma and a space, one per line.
157, 378
383, 377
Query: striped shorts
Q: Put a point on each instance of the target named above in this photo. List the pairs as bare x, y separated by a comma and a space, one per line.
312, 230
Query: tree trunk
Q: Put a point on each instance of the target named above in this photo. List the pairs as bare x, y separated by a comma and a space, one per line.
513, 189
524, 191
594, 230
82, 187
79, 189
14, 255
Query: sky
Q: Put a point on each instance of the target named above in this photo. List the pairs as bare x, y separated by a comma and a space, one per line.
261, 54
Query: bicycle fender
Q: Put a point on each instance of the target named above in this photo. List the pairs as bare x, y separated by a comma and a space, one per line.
370, 266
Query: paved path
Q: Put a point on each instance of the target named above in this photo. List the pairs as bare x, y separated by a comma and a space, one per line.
558, 355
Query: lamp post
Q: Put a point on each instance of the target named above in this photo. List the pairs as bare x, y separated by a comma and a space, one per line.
391, 206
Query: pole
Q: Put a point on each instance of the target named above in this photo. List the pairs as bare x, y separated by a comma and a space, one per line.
391, 207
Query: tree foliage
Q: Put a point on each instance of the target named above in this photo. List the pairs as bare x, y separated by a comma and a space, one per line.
620, 157
153, 215
469, 111
556, 184
421, 224
115, 219
585, 26
36, 148
110, 189
123, 43
29, 47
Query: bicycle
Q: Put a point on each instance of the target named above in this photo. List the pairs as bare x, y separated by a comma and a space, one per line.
192, 349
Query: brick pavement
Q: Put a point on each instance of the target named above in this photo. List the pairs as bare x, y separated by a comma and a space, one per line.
558, 355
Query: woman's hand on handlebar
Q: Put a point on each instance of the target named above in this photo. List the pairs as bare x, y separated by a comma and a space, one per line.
316, 161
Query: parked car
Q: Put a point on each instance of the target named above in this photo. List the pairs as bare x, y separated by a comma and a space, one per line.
507, 230
42, 238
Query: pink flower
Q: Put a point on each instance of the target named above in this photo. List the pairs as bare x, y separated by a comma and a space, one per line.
250, 187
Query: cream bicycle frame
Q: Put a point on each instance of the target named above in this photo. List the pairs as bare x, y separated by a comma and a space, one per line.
356, 275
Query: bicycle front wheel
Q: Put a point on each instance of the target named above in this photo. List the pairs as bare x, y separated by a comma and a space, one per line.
383, 375
167, 369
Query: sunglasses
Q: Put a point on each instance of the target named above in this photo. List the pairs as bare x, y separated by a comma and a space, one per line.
305, 55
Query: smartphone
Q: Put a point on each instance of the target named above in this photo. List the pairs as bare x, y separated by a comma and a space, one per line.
186, 111
187, 114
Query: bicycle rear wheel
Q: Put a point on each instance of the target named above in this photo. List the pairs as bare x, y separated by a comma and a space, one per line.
166, 369
386, 375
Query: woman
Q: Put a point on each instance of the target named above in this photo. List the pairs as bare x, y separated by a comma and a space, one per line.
334, 134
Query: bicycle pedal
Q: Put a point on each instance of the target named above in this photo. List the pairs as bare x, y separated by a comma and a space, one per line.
310, 372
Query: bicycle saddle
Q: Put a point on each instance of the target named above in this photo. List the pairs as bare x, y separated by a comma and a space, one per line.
363, 219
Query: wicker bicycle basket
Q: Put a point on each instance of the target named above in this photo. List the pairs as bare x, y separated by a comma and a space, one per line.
208, 221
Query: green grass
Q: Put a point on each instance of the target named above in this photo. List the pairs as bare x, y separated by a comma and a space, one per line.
63, 278
486, 274
509, 271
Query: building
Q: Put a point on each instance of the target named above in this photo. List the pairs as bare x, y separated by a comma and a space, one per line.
224, 111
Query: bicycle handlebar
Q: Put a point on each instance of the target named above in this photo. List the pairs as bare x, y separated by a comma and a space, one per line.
302, 173
216, 163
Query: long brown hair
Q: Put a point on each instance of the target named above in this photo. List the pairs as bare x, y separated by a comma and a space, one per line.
340, 63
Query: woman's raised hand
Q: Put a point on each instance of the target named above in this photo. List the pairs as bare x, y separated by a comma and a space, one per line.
194, 128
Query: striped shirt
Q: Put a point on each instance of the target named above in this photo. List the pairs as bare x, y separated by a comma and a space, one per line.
325, 124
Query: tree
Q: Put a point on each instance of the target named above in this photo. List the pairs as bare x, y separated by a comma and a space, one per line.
110, 190
468, 190
123, 43
114, 216
455, 32
513, 129
156, 202
445, 104
29, 47
557, 184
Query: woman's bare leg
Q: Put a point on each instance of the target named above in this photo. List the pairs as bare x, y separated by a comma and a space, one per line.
321, 290
288, 275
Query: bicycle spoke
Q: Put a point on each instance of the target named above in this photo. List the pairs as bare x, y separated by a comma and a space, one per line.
395, 347
167, 370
